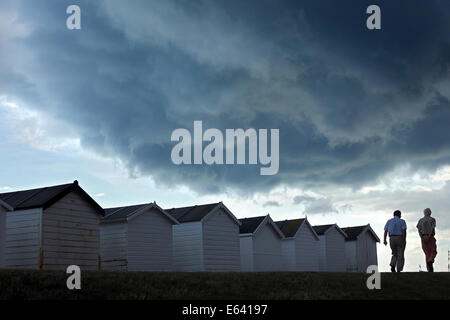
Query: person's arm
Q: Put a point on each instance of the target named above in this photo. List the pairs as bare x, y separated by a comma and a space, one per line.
385, 233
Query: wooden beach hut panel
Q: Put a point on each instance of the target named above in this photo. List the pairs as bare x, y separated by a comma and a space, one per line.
361, 248
207, 238
260, 240
299, 248
114, 246
331, 248
2, 235
137, 238
51, 228
188, 253
23, 239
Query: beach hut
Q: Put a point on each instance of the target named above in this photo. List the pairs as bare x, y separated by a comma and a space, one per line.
299, 247
260, 244
207, 238
2, 234
360, 248
331, 248
136, 238
50, 228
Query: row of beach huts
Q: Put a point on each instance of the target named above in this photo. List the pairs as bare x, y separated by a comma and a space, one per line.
53, 227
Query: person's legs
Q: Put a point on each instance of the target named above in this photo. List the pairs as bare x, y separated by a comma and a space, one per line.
400, 253
433, 249
433, 253
425, 249
429, 248
394, 249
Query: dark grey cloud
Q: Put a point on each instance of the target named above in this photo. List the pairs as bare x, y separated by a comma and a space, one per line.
272, 204
320, 206
313, 205
302, 199
351, 104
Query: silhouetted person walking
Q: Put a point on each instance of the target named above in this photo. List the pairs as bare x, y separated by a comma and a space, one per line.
396, 228
426, 227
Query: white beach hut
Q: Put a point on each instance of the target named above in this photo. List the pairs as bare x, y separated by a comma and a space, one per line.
331, 248
361, 248
50, 228
207, 238
299, 247
136, 238
261, 241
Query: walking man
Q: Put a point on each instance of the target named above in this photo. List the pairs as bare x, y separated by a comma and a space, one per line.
396, 228
426, 227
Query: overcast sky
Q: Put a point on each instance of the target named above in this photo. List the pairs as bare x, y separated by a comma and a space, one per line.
363, 115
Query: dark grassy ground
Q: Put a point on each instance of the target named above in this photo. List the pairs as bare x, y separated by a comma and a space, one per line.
223, 286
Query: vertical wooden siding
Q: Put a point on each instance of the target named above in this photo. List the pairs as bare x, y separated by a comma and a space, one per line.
113, 246
188, 246
23, 239
267, 250
288, 254
366, 250
322, 252
150, 242
350, 256
71, 234
335, 251
246, 248
306, 250
2, 236
221, 243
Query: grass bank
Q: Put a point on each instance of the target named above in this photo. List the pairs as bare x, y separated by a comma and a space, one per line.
31, 285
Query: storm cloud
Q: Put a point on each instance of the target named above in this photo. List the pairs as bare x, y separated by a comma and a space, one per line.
351, 104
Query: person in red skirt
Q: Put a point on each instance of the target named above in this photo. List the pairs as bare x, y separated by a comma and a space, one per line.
426, 227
